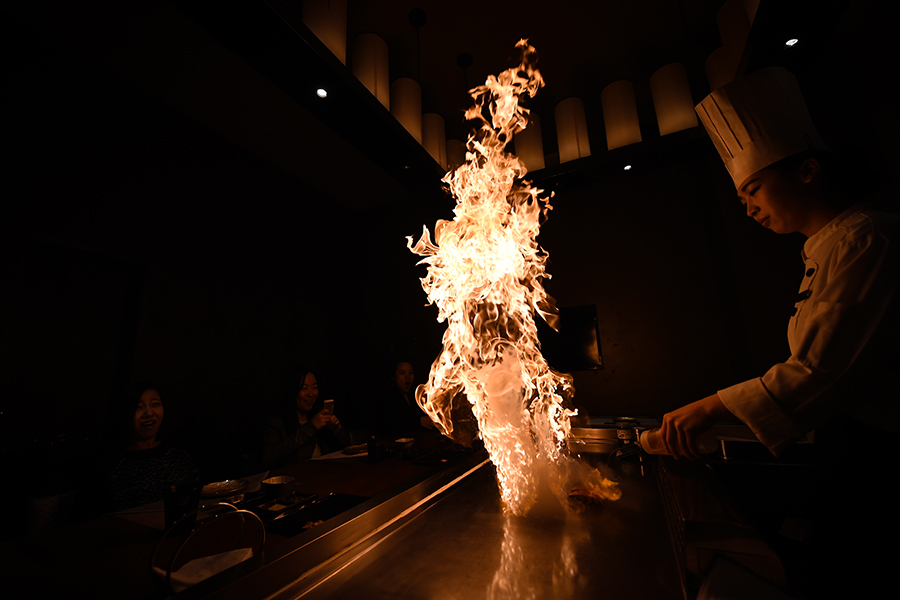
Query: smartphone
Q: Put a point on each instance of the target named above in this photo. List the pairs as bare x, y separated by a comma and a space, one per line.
329, 405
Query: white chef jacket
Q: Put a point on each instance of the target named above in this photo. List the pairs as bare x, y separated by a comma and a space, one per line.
851, 278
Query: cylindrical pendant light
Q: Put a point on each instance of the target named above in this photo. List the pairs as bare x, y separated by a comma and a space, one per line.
719, 68
672, 99
433, 137
456, 154
370, 65
328, 20
530, 144
571, 130
751, 6
406, 105
734, 29
620, 116
734, 26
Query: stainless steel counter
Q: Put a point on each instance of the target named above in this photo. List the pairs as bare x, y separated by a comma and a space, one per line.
448, 538
464, 547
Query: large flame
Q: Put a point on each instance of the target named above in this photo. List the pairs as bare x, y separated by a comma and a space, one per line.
485, 272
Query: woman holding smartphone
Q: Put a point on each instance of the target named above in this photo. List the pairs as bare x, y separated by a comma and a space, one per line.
306, 428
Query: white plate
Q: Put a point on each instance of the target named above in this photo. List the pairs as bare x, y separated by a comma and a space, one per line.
223, 488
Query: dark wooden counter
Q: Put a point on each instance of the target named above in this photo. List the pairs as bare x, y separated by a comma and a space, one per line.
105, 557
448, 537
352, 475
431, 527
109, 556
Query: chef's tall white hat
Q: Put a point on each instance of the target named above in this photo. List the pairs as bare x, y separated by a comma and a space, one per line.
757, 120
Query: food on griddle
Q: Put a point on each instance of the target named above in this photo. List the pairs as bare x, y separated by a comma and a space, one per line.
357, 449
583, 497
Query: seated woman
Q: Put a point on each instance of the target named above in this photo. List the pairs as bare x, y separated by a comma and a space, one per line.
146, 466
399, 414
306, 428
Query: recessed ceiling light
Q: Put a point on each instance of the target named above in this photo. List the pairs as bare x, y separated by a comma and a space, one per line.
791, 42
627, 167
321, 93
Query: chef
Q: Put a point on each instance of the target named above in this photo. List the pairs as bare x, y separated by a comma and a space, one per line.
838, 334
841, 378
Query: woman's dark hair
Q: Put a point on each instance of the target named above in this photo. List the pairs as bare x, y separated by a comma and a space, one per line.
396, 363
393, 360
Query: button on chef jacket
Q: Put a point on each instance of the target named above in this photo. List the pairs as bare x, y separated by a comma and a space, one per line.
842, 335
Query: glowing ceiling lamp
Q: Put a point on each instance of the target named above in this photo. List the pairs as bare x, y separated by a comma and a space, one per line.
530, 144
733, 20
571, 130
370, 66
328, 20
734, 28
620, 116
719, 69
751, 6
672, 99
406, 105
434, 137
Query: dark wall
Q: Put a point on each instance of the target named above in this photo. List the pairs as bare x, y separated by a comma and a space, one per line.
145, 246
142, 245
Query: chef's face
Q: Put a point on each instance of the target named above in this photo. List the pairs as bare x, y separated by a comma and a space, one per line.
774, 198
148, 416
309, 391
404, 376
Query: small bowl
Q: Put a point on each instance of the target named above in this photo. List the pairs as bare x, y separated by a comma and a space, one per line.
405, 445
277, 484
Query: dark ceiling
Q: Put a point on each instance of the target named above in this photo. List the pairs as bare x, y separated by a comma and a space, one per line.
248, 69
583, 46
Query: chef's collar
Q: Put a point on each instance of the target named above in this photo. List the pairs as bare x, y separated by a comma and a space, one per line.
814, 241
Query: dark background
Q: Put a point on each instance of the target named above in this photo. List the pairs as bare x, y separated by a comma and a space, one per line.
140, 244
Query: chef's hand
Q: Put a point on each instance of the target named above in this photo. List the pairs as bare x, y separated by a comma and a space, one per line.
681, 427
